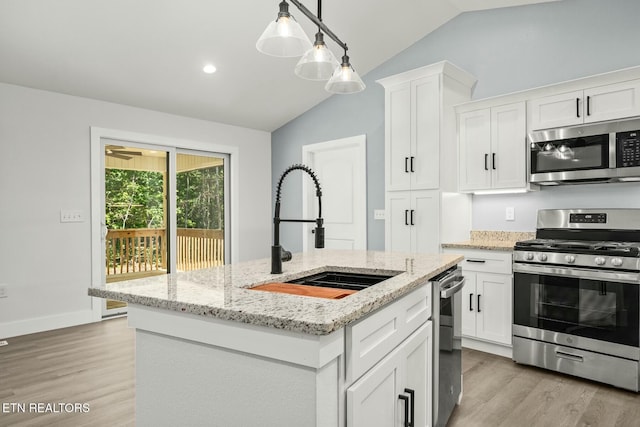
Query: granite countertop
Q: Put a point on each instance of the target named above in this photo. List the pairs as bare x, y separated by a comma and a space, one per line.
223, 292
492, 240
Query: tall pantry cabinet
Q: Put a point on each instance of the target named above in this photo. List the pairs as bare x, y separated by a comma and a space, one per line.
422, 208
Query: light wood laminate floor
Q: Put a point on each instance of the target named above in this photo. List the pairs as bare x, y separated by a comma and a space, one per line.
94, 364
89, 364
499, 392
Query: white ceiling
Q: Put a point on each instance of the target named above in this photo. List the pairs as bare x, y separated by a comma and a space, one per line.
150, 53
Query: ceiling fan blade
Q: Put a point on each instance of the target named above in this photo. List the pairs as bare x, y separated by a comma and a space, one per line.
119, 156
128, 153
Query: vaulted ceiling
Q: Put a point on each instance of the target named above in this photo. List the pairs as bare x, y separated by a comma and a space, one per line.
150, 53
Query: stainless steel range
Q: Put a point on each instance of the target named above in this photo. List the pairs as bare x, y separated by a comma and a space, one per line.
576, 295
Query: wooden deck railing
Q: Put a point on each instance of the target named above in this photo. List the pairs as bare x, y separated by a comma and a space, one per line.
141, 251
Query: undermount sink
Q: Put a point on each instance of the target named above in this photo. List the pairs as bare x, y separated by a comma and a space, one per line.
328, 284
342, 280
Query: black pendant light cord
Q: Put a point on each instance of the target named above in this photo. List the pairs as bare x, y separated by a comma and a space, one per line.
316, 20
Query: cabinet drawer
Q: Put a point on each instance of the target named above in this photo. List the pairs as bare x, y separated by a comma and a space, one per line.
484, 261
373, 337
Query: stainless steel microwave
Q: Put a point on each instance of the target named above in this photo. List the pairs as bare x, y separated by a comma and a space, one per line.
599, 152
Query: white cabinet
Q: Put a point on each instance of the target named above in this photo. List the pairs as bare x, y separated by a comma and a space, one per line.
492, 148
487, 303
412, 131
413, 221
396, 388
421, 155
608, 102
486, 307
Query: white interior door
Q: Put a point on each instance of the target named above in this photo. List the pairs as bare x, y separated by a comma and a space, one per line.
341, 168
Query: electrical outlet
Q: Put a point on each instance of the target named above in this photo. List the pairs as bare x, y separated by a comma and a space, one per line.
3, 291
71, 215
378, 214
510, 214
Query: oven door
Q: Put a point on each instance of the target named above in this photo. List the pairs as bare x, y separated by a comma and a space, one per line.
579, 158
599, 306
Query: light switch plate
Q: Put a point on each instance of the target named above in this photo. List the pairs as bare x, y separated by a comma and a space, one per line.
510, 214
75, 215
378, 214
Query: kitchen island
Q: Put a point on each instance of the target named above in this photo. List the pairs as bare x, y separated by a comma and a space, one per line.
212, 351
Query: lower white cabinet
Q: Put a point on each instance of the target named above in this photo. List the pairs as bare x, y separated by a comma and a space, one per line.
397, 390
413, 221
487, 296
486, 307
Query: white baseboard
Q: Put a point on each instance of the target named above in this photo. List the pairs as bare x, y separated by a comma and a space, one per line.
487, 347
48, 323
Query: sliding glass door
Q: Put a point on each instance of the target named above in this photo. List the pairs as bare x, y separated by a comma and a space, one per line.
164, 211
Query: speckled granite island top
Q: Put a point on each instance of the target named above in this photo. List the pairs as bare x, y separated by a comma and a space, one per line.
223, 292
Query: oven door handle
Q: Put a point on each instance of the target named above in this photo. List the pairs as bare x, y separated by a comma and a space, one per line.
578, 273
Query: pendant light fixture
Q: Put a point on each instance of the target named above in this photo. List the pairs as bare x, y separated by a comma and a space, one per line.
285, 38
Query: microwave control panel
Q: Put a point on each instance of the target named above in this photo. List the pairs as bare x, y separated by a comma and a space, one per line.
628, 149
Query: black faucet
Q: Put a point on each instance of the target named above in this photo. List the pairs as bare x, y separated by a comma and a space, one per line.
278, 254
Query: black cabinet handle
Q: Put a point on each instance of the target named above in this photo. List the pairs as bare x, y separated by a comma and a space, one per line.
412, 410
493, 161
470, 302
477, 261
406, 164
479, 303
406, 217
406, 409
411, 163
486, 156
577, 107
588, 106
411, 222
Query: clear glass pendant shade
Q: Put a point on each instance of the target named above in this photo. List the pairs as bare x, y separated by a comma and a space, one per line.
345, 79
318, 63
284, 37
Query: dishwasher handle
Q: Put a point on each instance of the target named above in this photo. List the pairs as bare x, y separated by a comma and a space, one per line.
449, 291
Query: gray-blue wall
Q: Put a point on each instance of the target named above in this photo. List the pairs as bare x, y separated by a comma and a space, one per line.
508, 50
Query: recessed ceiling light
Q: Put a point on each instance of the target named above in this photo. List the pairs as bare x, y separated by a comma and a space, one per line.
209, 69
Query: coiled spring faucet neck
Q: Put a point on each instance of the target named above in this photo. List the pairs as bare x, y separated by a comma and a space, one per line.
278, 254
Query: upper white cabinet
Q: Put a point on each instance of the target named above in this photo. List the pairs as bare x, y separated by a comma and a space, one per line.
421, 157
412, 131
492, 148
420, 152
594, 104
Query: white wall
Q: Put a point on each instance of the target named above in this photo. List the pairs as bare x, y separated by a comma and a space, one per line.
45, 167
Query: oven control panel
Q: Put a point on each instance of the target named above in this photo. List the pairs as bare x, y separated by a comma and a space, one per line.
591, 218
628, 149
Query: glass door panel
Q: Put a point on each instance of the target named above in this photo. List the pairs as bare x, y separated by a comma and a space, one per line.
200, 211
135, 215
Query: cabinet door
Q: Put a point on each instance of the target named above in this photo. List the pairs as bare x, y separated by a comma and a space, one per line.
469, 304
418, 373
374, 400
614, 101
474, 142
557, 110
494, 307
425, 133
398, 137
508, 146
425, 221
397, 221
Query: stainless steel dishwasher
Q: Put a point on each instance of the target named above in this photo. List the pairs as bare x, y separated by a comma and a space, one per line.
447, 343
